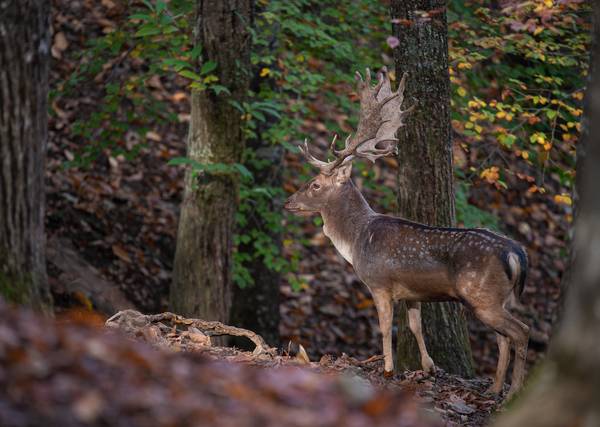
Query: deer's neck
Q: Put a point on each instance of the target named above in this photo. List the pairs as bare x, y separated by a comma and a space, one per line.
344, 217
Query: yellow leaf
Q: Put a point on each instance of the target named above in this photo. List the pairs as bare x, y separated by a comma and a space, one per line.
461, 91
549, 3
564, 199
491, 174
525, 155
578, 95
501, 114
265, 72
538, 30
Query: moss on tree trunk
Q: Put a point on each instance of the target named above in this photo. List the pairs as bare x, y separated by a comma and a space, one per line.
24, 47
425, 177
203, 260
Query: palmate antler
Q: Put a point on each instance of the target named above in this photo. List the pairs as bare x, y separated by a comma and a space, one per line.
380, 117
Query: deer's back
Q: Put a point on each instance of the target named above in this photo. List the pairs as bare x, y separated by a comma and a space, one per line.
422, 262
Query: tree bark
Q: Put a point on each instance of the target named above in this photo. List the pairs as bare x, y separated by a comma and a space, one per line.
566, 388
24, 47
203, 261
425, 174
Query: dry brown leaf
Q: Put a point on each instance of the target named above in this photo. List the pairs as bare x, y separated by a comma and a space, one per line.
302, 357
153, 136
120, 252
60, 45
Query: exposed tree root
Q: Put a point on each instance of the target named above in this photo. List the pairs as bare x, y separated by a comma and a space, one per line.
135, 323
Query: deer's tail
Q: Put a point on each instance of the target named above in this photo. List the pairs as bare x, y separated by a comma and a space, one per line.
516, 261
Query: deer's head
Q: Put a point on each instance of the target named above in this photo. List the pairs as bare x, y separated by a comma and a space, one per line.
380, 117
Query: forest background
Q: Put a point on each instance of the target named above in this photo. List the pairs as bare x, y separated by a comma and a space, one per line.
120, 83
123, 75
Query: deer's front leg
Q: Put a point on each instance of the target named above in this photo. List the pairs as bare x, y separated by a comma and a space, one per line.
414, 323
385, 311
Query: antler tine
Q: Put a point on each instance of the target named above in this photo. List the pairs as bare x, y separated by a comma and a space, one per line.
369, 150
332, 145
324, 167
380, 79
402, 84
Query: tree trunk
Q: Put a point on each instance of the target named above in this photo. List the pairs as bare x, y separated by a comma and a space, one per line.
566, 388
24, 47
203, 259
425, 184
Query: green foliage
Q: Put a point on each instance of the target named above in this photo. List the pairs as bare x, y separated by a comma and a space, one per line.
300, 48
155, 41
518, 75
470, 216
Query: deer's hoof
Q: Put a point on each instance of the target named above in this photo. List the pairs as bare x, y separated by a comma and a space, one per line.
388, 374
428, 366
493, 390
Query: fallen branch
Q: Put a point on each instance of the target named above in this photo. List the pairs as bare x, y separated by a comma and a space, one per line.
135, 323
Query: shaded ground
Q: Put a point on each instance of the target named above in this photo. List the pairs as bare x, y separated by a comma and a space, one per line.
120, 218
73, 374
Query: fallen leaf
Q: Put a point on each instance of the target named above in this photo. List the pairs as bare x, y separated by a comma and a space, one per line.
120, 252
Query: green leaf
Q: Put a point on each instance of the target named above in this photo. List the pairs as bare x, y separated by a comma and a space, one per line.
243, 171
147, 30
140, 16
207, 67
218, 89
177, 64
148, 4
176, 161
551, 114
190, 75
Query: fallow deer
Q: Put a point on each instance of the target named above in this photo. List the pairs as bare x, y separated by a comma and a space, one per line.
402, 260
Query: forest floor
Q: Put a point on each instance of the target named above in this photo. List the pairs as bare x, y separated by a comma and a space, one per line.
142, 371
111, 234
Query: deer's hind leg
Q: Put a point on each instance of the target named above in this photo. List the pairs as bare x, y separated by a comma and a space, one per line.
414, 323
486, 291
517, 332
503, 361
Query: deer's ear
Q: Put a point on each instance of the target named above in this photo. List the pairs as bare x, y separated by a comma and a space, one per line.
343, 173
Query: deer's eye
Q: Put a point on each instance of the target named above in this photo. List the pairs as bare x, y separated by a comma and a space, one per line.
315, 186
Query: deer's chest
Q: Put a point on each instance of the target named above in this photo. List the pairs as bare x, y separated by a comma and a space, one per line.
343, 246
